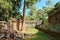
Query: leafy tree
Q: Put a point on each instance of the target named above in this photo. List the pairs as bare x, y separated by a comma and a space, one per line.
33, 13
36, 14
48, 2
8, 8
27, 3
57, 5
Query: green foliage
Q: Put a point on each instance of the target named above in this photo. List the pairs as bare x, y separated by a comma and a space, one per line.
31, 2
33, 13
48, 2
37, 14
55, 28
57, 5
9, 8
47, 9
41, 14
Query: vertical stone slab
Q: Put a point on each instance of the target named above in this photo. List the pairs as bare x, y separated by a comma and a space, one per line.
20, 24
13, 24
10, 26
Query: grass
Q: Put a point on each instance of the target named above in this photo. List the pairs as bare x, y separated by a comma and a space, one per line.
38, 35
31, 31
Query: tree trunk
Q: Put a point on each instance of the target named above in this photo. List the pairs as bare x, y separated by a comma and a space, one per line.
23, 21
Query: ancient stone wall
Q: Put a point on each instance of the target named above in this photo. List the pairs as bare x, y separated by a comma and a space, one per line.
55, 18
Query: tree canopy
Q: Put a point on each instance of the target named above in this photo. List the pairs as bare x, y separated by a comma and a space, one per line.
9, 8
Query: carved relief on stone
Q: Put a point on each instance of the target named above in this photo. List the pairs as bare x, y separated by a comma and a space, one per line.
13, 24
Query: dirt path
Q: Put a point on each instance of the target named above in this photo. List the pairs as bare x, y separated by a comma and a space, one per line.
55, 35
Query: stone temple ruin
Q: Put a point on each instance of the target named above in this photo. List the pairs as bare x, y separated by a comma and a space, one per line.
54, 15
14, 25
5, 34
8, 30
3, 25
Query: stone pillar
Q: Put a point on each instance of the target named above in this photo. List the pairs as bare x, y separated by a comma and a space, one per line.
13, 24
20, 24
10, 24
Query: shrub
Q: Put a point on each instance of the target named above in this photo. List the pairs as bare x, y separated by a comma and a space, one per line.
55, 28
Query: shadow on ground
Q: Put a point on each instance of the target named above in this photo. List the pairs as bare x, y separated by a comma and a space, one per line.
39, 35
55, 35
